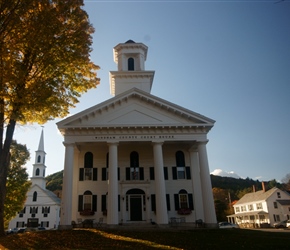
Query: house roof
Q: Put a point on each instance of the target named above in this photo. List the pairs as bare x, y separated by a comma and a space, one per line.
256, 196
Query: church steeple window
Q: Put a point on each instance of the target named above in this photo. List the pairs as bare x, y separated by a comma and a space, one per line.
38, 159
37, 172
131, 64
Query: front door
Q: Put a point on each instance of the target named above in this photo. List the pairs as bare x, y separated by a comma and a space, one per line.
135, 207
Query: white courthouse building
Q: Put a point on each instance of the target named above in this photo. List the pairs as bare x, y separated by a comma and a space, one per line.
136, 158
42, 207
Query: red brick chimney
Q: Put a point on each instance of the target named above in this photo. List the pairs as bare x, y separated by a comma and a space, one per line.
263, 187
254, 189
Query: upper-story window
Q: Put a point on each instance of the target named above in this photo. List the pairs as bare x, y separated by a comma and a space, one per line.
134, 165
131, 64
237, 209
37, 172
259, 206
278, 195
275, 204
34, 198
180, 171
88, 165
38, 159
250, 207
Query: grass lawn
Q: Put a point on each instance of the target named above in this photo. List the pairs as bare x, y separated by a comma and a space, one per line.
149, 239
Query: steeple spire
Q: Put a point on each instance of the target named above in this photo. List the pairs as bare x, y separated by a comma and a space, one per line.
38, 176
41, 141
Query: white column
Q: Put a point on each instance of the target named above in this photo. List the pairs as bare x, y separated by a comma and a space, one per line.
67, 188
112, 217
208, 202
161, 207
196, 183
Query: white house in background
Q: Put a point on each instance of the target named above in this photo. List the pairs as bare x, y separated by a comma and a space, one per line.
136, 158
262, 208
42, 207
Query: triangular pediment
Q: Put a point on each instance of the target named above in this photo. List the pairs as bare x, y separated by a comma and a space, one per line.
135, 108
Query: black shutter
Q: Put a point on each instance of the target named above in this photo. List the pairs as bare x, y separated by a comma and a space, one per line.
80, 208
104, 202
151, 169
165, 169
176, 201
153, 202
119, 202
95, 203
81, 177
168, 202
95, 174
190, 201
188, 175
141, 172
104, 174
174, 173
118, 174
42, 210
128, 174
48, 209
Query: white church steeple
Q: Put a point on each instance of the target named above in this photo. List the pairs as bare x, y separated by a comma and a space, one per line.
38, 176
130, 57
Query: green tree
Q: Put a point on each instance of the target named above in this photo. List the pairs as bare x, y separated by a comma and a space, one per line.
17, 181
45, 66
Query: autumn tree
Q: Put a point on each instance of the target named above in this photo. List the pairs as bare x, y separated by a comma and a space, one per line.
17, 181
45, 66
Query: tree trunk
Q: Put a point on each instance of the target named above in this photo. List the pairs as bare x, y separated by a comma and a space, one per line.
4, 165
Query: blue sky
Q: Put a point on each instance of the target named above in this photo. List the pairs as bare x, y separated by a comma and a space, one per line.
227, 60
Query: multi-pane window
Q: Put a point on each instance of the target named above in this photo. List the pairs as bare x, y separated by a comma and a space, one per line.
134, 172
259, 206
250, 207
180, 171
20, 224
88, 173
237, 209
183, 200
44, 224
243, 208
37, 172
278, 195
275, 204
45, 211
87, 200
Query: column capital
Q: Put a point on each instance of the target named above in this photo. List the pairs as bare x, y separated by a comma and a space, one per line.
67, 144
203, 142
154, 142
113, 143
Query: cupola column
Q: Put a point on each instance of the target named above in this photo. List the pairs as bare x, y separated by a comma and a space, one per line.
161, 207
67, 190
112, 207
208, 202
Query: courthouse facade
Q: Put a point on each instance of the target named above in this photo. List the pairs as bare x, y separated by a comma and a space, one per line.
136, 158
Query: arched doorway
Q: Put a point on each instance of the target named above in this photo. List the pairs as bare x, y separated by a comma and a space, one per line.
135, 201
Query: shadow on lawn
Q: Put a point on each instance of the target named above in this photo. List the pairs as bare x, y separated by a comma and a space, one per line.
153, 239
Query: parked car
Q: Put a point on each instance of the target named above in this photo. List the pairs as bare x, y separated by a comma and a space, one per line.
228, 225
281, 224
12, 231
288, 223
21, 230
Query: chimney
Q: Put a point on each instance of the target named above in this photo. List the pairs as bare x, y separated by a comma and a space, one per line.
263, 187
254, 189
